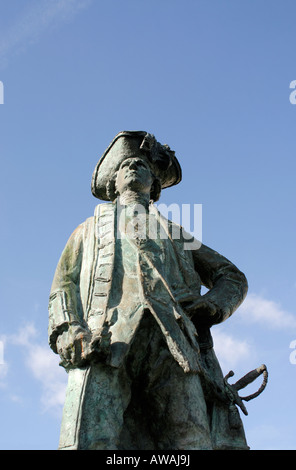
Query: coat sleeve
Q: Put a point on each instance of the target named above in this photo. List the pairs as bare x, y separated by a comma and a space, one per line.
64, 302
227, 285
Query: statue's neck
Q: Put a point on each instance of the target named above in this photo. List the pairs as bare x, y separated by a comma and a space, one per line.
130, 198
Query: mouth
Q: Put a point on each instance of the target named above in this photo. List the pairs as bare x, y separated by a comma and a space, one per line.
131, 173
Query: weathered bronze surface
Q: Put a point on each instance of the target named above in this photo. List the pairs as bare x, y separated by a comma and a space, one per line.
127, 317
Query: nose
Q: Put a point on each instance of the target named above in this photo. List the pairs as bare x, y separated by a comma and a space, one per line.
134, 164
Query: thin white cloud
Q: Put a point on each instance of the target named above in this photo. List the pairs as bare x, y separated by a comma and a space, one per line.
257, 309
3, 374
24, 336
3, 363
44, 366
268, 437
229, 350
37, 18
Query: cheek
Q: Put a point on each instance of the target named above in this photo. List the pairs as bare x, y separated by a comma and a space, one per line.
119, 178
150, 179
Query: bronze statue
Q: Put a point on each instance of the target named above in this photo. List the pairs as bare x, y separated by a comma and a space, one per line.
127, 317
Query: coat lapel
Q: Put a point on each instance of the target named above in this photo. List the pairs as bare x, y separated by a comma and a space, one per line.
102, 266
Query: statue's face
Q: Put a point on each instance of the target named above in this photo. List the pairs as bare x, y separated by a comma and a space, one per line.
134, 174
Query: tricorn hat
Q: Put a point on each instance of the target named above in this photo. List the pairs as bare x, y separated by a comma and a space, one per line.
127, 144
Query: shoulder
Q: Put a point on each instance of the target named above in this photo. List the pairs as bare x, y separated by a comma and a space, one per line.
85, 228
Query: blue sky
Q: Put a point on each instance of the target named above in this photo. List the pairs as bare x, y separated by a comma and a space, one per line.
211, 79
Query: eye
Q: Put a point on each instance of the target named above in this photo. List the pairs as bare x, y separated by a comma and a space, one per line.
126, 163
141, 163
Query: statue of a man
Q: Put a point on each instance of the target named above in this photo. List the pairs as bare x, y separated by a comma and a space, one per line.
127, 317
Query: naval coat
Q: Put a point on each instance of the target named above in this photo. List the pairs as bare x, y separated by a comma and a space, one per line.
106, 294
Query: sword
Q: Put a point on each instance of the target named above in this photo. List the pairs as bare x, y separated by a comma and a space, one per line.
232, 389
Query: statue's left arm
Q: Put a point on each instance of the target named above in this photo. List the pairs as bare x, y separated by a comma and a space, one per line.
226, 283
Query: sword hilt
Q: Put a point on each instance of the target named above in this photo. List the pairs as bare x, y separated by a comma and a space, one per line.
255, 373
243, 382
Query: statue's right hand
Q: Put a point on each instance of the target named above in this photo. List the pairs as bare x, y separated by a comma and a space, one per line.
73, 347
